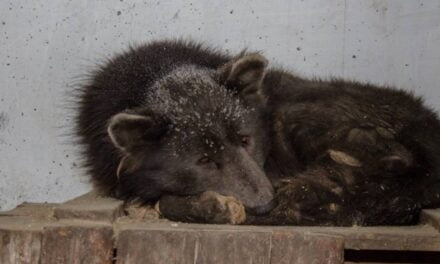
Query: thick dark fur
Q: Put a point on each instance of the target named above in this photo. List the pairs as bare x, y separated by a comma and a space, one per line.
173, 117
340, 152
360, 154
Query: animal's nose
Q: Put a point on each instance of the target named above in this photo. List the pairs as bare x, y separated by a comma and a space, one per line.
261, 209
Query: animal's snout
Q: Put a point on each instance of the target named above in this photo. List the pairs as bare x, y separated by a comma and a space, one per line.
261, 209
263, 201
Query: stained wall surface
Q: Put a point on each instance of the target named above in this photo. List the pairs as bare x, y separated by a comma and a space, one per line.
46, 46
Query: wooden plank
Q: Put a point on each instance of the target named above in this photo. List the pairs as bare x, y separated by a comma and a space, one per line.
46, 233
302, 248
225, 247
91, 206
77, 242
194, 243
410, 238
21, 232
34, 210
20, 246
155, 246
187, 245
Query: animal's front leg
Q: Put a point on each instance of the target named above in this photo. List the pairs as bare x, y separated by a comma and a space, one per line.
208, 207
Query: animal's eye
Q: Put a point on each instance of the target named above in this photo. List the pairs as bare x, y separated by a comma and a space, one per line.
204, 160
245, 141
207, 163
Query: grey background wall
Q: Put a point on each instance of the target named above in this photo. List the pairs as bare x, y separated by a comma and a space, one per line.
45, 45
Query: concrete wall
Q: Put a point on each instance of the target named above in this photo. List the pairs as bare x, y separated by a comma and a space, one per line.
45, 45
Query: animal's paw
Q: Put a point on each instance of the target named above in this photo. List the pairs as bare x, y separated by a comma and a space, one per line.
221, 209
302, 202
208, 207
139, 211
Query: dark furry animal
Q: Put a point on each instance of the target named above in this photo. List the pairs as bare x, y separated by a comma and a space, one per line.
359, 153
173, 118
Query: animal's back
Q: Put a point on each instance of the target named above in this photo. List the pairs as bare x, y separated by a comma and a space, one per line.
332, 107
376, 143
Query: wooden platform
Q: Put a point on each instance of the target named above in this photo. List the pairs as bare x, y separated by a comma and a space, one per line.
93, 229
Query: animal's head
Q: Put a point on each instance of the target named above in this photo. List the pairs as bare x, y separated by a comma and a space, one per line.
199, 129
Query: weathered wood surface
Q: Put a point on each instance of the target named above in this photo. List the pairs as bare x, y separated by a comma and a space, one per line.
20, 246
155, 246
77, 242
93, 229
21, 232
411, 238
32, 210
90, 206
196, 243
306, 248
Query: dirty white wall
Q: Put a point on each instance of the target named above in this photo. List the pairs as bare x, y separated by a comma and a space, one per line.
45, 45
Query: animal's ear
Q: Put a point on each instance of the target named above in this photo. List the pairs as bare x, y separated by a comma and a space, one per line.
127, 165
244, 74
131, 131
